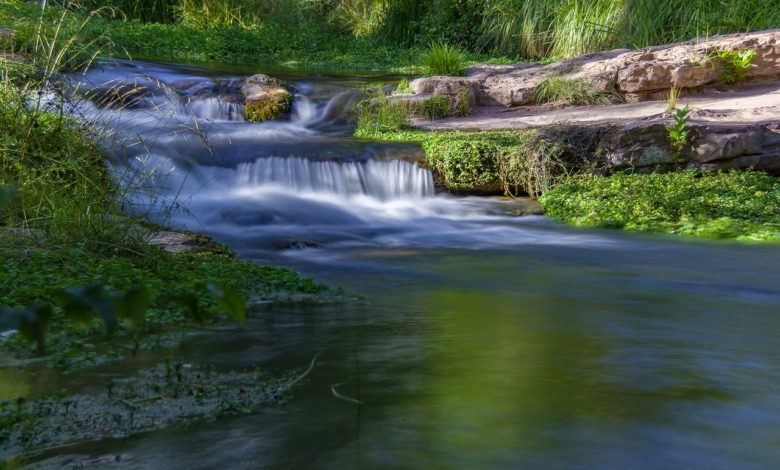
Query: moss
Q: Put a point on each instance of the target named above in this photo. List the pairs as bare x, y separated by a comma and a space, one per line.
269, 107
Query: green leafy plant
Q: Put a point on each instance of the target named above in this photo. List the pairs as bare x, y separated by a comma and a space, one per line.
679, 134
443, 59
735, 64
403, 88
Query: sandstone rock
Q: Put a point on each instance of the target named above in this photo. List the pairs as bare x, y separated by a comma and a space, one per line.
447, 86
635, 75
265, 98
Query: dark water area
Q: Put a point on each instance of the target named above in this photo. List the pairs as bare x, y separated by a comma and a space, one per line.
482, 340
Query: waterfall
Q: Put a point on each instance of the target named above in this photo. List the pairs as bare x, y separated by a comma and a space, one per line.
381, 179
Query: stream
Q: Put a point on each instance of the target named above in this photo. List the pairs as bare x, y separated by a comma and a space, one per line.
485, 340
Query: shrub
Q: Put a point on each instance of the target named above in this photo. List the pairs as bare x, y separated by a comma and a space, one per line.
735, 64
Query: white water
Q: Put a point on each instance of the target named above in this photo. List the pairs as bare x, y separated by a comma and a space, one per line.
189, 160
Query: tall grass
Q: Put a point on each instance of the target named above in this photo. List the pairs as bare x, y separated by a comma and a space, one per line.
543, 28
443, 59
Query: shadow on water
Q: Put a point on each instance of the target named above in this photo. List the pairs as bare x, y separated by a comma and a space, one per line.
485, 341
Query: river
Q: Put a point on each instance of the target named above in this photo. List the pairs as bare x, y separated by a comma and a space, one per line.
484, 340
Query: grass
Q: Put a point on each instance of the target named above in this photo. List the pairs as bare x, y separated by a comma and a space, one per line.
61, 223
436, 107
443, 59
743, 205
560, 90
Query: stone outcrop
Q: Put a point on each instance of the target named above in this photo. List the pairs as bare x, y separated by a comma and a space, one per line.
628, 75
713, 146
265, 98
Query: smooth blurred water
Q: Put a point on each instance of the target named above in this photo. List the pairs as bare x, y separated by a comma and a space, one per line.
485, 341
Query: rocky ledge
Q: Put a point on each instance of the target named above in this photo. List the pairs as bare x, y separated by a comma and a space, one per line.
735, 108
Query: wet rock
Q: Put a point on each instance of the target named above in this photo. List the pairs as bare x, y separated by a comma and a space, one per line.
265, 98
296, 244
175, 242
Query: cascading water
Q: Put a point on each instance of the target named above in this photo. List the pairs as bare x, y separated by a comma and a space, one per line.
180, 146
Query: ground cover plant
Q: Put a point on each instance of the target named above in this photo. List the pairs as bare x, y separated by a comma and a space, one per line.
737, 204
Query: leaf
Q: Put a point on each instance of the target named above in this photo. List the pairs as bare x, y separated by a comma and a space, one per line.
230, 301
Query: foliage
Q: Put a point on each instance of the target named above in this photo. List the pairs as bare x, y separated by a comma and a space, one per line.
378, 114
560, 90
443, 59
512, 162
462, 103
134, 296
735, 64
738, 204
436, 107
403, 88
678, 133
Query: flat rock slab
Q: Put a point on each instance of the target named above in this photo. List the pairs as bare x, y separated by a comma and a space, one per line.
755, 104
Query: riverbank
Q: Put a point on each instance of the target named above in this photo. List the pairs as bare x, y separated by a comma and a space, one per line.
624, 120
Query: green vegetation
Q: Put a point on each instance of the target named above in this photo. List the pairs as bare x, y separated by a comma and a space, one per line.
388, 34
378, 114
678, 133
403, 88
738, 204
509, 162
443, 59
560, 90
735, 64
436, 107
75, 268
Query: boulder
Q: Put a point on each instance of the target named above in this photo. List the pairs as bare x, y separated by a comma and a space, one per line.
265, 98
